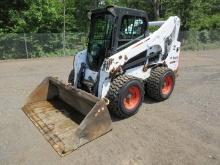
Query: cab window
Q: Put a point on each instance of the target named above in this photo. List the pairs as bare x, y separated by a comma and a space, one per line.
132, 27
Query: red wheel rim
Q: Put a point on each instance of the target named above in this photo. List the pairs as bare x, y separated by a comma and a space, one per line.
167, 85
133, 97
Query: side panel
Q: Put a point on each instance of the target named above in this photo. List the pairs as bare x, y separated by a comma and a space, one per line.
80, 58
172, 60
138, 72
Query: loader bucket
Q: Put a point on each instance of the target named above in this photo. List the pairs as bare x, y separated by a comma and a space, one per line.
66, 116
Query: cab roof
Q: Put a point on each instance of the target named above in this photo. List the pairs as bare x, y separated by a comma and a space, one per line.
117, 11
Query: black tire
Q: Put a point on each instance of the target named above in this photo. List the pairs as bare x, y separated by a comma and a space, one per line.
156, 82
71, 77
118, 92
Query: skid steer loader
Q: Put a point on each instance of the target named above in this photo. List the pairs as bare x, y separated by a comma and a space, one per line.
123, 60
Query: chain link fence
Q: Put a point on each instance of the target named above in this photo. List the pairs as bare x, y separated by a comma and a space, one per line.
17, 46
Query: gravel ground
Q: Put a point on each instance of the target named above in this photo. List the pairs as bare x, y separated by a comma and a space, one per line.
185, 129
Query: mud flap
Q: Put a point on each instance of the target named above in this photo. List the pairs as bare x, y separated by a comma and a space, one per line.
66, 116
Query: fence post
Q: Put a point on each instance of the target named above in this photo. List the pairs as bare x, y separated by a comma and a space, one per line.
25, 43
64, 28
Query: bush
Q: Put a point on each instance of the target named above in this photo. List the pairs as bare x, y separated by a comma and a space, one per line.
200, 40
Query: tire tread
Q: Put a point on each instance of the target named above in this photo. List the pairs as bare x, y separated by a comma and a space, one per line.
113, 94
153, 83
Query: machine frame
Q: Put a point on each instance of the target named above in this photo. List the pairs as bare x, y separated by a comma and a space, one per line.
137, 58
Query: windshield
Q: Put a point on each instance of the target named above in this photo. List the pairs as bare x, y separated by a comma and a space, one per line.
99, 39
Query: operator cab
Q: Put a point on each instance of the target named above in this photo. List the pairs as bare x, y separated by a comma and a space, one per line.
113, 29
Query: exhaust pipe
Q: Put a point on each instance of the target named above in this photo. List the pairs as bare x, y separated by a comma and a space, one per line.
66, 116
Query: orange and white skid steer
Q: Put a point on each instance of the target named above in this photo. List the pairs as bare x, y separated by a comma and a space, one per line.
122, 62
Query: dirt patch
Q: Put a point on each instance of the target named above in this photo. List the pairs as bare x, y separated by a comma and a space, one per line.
182, 130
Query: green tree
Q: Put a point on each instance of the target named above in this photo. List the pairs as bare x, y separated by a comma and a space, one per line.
38, 16
5, 7
71, 24
204, 15
194, 14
